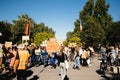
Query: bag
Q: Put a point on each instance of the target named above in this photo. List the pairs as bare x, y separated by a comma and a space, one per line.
66, 64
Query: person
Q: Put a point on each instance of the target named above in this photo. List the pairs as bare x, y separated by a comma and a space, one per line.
52, 57
37, 55
99, 50
61, 57
1, 57
21, 62
32, 55
113, 55
77, 59
72, 53
84, 57
103, 52
44, 54
12, 60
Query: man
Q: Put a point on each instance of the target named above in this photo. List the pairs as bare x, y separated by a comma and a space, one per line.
21, 62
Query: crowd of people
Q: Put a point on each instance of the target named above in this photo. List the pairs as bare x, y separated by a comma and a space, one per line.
17, 59
111, 54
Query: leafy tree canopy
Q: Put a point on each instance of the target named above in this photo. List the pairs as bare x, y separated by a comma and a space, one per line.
40, 37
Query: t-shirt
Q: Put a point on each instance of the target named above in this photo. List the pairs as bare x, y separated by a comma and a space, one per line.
62, 57
17, 56
37, 51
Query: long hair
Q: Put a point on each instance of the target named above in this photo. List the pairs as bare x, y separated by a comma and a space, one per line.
61, 51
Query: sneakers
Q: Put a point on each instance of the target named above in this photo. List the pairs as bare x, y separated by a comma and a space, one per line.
90, 65
76, 67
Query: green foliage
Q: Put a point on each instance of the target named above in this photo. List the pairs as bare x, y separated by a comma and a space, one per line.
5, 30
41, 28
73, 38
18, 28
92, 33
101, 14
113, 35
65, 43
95, 22
40, 37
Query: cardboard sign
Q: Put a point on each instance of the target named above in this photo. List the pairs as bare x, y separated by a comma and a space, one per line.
25, 37
52, 46
8, 44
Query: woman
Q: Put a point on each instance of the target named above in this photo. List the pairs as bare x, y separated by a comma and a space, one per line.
61, 57
77, 59
12, 60
37, 55
44, 54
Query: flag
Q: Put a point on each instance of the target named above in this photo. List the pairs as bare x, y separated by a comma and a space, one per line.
80, 27
27, 29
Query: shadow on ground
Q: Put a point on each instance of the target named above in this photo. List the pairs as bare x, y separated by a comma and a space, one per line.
66, 78
108, 75
35, 77
7, 76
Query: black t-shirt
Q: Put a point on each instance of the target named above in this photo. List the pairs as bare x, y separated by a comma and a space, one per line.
17, 56
62, 58
72, 50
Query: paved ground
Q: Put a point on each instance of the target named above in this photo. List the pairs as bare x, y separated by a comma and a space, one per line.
85, 73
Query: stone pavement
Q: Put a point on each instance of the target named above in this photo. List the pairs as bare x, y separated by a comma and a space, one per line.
85, 73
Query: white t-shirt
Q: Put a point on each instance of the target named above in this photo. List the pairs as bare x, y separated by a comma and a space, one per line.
37, 51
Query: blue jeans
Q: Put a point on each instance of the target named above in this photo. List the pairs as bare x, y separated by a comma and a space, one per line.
44, 60
77, 63
37, 59
104, 55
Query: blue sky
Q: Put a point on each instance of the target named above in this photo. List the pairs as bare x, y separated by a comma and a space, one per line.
59, 15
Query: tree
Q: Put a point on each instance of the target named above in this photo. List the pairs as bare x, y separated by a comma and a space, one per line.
92, 33
72, 38
42, 36
39, 28
88, 11
95, 21
5, 30
102, 17
114, 33
18, 27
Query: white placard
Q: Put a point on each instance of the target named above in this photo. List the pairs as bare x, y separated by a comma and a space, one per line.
8, 44
25, 37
